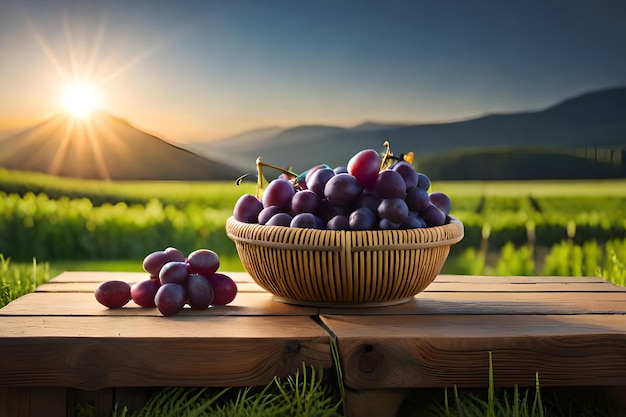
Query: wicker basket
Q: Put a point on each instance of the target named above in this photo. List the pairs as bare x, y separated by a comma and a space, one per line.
343, 268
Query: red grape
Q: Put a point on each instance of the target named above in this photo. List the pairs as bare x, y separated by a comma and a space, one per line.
203, 262
174, 272
175, 254
153, 262
170, 298
143, 292
365, 166
279, 193
224, 288
199, 292
247, 209
113, 294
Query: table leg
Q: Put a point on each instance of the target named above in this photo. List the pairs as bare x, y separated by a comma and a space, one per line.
373, 403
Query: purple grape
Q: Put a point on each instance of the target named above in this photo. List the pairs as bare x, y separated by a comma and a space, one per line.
199, 292
144, 291
317, 181
279, 193
305, 201
393, 209
338, 222
413, 221
341, 170
174, 272
309, 173
408, 173
113, 294
247, 209
305, 221
386, 224
362, 219
416, 199
268, 212
279, 219
342, 189
369, 199
170, 298
433, 216
423, 181
442, 201
390, 184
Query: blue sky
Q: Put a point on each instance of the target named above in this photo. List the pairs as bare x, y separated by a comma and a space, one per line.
192, 70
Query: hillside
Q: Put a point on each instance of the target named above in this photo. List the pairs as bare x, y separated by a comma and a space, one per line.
594, 119
107, 148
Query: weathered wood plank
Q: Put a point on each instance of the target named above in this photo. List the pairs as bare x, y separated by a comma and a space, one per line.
434, 303
85, 304
90, 287
101, 276
93, 353
54, 286
439, 351
260, 303
32, 402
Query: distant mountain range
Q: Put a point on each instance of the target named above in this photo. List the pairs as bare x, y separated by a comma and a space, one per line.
105, 147
581, 137
568, 129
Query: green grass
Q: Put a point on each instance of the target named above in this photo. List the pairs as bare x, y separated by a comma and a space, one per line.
539, 188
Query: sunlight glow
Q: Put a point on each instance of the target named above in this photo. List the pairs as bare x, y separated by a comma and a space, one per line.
80, 100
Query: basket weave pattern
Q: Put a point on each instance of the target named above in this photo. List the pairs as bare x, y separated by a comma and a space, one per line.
323, 267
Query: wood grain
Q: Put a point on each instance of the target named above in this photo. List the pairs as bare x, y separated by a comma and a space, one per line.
85, 304
446, 350
92, 352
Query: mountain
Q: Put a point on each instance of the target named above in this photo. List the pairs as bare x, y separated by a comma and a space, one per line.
105, 147
594, 119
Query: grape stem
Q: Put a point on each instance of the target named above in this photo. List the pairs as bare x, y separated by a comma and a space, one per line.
389, 158
261, 179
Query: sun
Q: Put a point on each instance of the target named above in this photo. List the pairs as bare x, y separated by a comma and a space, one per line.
79, 99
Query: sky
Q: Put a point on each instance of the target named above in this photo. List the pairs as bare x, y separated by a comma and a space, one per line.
202, 70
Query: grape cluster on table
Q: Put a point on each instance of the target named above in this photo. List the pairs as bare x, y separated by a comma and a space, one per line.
359, 196
175, 281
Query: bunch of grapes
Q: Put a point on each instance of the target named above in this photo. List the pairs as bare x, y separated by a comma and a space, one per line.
175, 281
370, 192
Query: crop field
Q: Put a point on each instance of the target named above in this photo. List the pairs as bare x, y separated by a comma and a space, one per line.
511, 228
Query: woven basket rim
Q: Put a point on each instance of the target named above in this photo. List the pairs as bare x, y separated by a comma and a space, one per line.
257, 234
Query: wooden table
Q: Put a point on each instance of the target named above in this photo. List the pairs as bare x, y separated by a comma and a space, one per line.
58, 345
